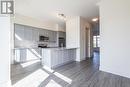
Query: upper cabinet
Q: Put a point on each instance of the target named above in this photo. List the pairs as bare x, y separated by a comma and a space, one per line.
53, 36
25, 35
19, 32
41, 32
35, 35
47, 33
28, 33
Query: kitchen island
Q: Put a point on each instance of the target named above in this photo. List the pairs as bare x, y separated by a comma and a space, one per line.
54, 57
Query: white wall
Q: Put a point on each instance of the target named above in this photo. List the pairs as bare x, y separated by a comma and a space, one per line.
76, 37
115, 36
5, 51
73, 32
12, 39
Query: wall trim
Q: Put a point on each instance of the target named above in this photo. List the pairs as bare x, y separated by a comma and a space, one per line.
113, 72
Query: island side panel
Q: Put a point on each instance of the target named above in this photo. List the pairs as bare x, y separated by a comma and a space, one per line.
62, 56
46, 57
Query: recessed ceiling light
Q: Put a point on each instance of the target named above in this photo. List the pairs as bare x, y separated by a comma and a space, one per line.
95, 19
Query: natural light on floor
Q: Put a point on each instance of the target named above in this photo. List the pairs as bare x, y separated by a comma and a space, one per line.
66, 79
33, 80
48, 69
52, 83
29, 63
38, 77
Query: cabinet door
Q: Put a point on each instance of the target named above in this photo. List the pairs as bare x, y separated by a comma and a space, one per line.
19, 32
19, 35
49, 34
53, 36
35, 35
42, 32
20, 55
60, 57
54, 59
17, 55
65, 56
28, 33
23, 55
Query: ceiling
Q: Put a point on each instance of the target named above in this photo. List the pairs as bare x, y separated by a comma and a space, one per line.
47, 10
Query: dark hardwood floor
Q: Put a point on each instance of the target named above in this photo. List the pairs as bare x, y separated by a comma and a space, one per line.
75, 74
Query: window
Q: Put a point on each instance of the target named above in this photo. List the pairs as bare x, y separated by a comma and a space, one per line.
96, 41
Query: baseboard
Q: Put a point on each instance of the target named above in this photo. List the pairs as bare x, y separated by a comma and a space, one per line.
62, 64
115, 73
84, 59
6, 84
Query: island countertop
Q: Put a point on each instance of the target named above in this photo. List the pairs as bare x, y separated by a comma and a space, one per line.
53, 48
57, 48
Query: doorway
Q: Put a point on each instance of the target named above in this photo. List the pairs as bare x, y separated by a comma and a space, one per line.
96, 43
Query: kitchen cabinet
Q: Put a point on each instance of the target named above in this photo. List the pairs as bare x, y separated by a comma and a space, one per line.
35, 35
28, 33
27, 54
18, 35
47, 33
29, 36
52, 36
42, 32
54, 57
19, 32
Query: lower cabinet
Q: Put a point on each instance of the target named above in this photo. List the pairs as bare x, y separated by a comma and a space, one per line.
24, 55
53, 58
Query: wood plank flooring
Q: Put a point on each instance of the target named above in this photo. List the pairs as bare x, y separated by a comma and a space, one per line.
75, 74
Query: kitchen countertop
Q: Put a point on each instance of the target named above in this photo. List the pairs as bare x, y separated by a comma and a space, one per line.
26, 48
48, 48
58, 48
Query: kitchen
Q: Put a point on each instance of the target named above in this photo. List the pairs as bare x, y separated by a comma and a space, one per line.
44, 34
47, 46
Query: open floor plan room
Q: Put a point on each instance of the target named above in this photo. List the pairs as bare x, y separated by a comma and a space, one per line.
65, 43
